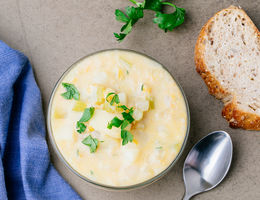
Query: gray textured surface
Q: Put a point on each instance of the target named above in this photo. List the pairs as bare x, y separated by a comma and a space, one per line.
55, 33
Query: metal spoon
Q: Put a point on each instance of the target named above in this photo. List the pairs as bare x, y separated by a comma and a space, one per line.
207, 163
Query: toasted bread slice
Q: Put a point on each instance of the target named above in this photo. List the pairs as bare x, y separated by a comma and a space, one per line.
227, 56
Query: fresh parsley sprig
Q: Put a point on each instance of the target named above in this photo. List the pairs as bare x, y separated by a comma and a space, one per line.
87, 115
170, 21
81, 127
126, 135
91, 142
72, 91
116, 122
115, 98
165, 21
130, 17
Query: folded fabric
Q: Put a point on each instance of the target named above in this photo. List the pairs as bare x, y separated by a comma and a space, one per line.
25, 168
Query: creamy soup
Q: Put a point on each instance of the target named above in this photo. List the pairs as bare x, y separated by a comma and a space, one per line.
118, 118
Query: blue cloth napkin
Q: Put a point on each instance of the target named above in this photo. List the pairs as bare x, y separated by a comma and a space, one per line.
25, 168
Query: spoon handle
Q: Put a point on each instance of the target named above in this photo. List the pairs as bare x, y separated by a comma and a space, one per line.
186, 197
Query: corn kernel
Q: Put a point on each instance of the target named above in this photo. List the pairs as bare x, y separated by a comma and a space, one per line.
135, 141
178, 147
90, 128
80, 154
59, 114
88, 68
79, 106
151, 103
75, 80
173, 97
120, 110
100, 95
120, 74
146, 89
75, 136
109, 98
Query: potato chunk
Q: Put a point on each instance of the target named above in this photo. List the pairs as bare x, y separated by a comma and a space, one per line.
100, 120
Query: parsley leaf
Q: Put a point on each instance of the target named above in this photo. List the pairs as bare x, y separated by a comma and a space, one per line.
131, 110
87, 115
155, 5
142, 87
123, 107
81, 127
127, 28
71, 92
120, 16
141, 5
115, 98
170, 21
119, 36
124, 124
126, 136
115, 122
130, 17
128, 117
133, 14
91, 142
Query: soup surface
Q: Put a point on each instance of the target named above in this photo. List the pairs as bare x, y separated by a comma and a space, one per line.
118, 118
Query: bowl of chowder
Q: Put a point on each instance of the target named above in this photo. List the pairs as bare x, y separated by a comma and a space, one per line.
118, 119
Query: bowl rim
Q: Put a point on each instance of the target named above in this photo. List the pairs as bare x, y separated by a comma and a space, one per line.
100, 185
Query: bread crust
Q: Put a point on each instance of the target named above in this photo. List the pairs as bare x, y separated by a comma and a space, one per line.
236, 117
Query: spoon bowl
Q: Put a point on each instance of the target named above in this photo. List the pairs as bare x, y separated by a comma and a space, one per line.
207, 163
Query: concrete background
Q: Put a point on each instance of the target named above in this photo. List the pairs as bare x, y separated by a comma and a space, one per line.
56, 33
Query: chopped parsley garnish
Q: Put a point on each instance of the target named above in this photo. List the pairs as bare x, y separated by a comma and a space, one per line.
124, 124
130, 17
126, 137
127, 119
123, 107
128, 116
71, 92
115, 122
160, 147
87, 115
132, 14
115, 98
131, 110
91, 172
81, 127
91, 142
142, 87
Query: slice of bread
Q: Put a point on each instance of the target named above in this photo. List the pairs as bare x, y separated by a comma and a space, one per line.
227, 56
